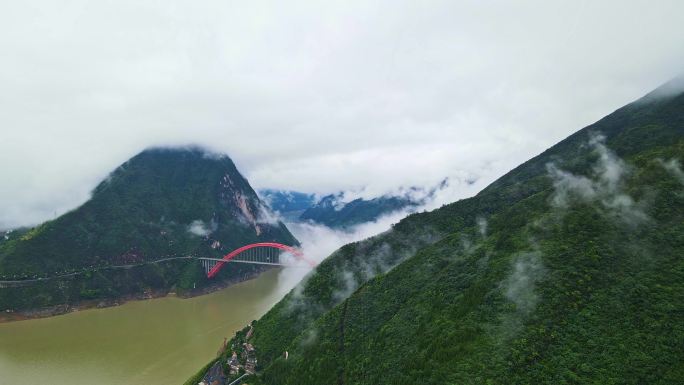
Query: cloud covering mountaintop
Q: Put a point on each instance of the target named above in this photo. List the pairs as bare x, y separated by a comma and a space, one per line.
312, 97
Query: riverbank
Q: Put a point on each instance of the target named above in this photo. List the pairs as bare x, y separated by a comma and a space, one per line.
51, 311
153, 342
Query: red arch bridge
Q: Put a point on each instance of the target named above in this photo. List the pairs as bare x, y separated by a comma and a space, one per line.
264, 253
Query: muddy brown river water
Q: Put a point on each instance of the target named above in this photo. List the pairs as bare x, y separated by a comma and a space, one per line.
158, 341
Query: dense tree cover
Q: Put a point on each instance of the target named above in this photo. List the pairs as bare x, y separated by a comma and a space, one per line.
567, 270
161, 203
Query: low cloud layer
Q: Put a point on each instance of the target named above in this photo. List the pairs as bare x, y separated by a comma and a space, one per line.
319, 241
317, 97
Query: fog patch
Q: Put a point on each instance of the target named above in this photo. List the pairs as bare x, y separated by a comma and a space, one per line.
317, 242
674, 167
200, 228
482, 226
519, 286
605, 186
372, 257
266, 216
309, 337
348, 286
567, 184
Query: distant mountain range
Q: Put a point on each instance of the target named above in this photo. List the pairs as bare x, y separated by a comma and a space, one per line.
335, 211
162, 203
569, 269
289, 204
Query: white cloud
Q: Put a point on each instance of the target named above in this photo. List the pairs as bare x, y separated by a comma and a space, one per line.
519, 286
607, 185
675, 168
482, 225
201, 229
312, 96
318, 242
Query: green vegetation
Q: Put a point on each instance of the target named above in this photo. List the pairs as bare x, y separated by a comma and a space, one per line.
161, 203
567, 270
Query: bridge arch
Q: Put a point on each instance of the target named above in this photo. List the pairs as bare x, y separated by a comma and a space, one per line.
226, 258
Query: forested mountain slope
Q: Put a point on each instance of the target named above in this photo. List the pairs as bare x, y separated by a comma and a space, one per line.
164, 202
569, 269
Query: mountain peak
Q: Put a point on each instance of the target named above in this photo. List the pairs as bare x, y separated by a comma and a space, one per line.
192, 149
163, 201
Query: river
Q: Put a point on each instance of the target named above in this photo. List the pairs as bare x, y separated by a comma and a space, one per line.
157, 341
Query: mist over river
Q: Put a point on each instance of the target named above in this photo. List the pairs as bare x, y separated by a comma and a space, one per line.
157, 341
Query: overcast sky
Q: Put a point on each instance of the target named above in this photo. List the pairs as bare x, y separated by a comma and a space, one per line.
313, 96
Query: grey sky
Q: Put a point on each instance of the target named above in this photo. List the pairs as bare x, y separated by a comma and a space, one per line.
314, 96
